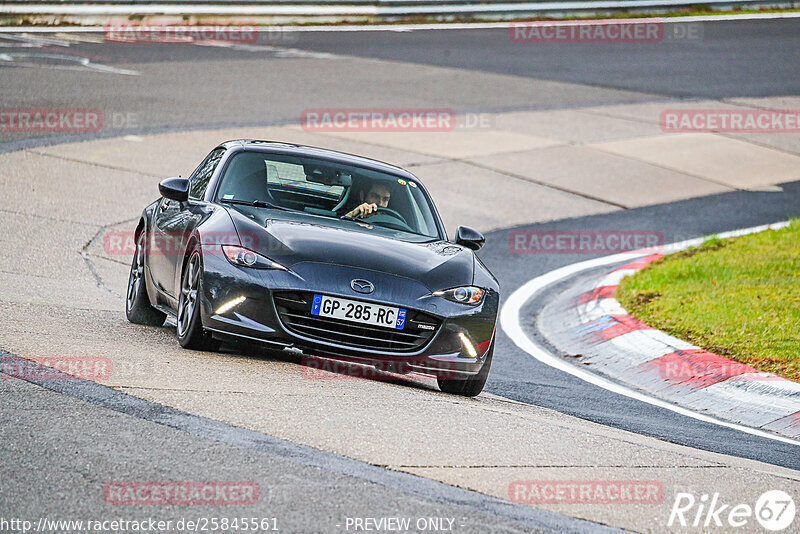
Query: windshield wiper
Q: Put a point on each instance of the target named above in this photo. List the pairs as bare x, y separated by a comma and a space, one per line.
256, 203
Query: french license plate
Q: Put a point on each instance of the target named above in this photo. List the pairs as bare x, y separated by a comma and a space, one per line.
359, 312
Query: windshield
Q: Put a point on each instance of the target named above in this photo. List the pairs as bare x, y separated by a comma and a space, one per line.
329, 189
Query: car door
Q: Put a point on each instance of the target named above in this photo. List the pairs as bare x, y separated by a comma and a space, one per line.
173, 223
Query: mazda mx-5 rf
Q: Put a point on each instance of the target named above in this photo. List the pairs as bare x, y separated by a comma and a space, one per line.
336, 255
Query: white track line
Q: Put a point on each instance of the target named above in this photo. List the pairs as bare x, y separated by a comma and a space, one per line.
438, 26
511, 324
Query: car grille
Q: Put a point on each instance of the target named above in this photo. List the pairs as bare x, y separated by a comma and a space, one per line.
294, 309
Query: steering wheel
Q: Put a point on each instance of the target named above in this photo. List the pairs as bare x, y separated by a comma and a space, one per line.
389, 218
391, 213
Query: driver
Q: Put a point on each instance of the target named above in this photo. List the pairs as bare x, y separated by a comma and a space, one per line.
377, 196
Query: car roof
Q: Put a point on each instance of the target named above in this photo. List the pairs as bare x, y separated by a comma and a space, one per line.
311, 151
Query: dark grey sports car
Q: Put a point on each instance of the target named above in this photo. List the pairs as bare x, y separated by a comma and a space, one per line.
337, 255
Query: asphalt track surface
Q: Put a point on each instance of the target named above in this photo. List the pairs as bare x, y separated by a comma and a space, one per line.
710, 66
208, 86
114, 436
229, 87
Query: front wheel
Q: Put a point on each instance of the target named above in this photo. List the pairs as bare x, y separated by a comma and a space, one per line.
137, 305
191, 334
472, 386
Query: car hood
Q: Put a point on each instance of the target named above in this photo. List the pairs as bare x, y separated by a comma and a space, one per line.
437, 265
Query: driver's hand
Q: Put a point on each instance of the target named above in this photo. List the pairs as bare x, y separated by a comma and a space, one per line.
364, 210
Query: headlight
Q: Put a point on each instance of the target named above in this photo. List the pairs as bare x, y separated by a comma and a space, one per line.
244, 257
465, 295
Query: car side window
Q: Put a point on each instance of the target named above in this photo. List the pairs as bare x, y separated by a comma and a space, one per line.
198, 181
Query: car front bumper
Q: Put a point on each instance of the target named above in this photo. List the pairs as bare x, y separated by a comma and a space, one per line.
239, 303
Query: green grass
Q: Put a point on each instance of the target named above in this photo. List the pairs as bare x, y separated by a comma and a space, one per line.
737, 297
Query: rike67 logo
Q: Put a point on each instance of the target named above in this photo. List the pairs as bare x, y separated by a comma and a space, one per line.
774, 510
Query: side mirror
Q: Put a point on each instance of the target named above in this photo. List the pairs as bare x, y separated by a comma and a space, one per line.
469, 237
174, 189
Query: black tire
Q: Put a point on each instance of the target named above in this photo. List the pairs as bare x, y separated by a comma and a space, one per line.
468, 387
137, 304
191, 334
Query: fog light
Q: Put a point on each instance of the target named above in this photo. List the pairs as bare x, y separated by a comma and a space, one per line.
468, 346
230, 304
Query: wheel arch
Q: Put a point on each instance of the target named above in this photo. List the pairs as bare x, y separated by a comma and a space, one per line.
140, 227
191, 243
